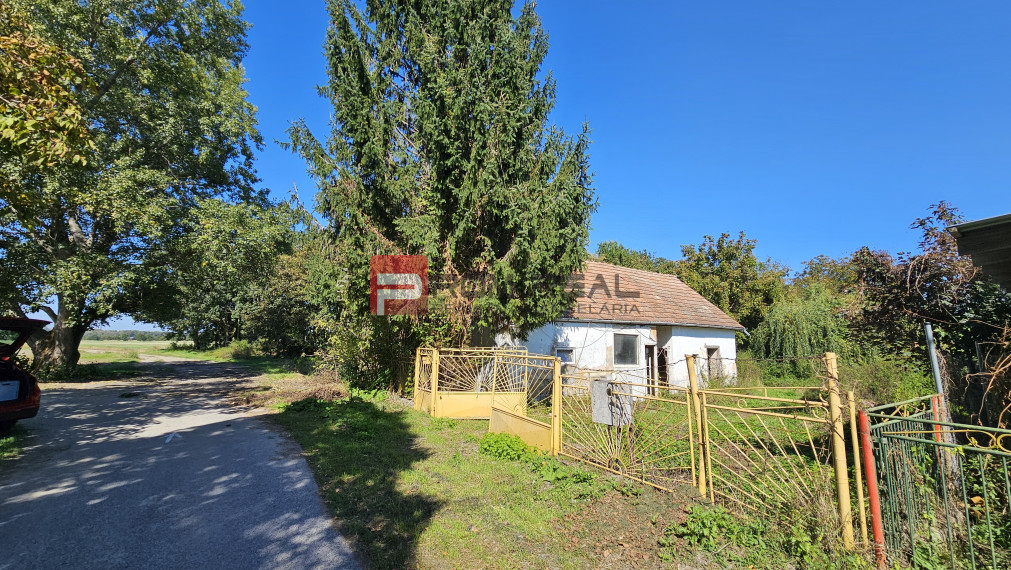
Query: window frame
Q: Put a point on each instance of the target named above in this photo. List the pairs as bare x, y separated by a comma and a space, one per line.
635, 350
570, 350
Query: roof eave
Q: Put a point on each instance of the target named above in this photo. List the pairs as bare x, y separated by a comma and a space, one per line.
652, 323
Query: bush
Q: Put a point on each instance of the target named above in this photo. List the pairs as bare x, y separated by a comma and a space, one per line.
241, 349
505, 446
885, 380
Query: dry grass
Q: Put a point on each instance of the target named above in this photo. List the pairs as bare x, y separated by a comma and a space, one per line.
270, 390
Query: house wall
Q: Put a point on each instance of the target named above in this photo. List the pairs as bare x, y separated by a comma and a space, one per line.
593, 346
695, 340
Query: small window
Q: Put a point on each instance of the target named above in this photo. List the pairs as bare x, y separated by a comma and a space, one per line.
626, 349
564, 354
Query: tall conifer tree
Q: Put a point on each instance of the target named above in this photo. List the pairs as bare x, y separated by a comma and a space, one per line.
441, 146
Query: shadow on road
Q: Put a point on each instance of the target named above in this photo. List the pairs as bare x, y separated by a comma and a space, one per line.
161, 474
359, 451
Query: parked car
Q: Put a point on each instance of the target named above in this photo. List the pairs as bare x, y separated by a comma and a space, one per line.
19, 390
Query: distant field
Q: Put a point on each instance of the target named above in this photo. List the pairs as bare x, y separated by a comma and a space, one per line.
118, 350
139, 345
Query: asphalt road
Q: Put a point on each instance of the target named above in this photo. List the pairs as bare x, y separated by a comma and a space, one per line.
160, 474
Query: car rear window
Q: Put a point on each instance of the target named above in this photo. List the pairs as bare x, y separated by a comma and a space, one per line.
7, 338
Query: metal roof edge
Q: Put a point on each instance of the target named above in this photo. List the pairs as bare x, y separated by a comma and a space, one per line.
958, 229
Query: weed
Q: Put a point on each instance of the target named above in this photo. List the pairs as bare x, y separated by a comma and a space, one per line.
368, 395
439, 423
629, 490
752, 542
11, 442
573, 483
505, 446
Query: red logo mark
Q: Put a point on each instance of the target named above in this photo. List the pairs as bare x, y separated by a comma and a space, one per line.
398, 284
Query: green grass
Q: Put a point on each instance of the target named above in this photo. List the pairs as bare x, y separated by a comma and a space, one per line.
11, 442
124, 345
119, 355
411, 491
239, 353
751, 542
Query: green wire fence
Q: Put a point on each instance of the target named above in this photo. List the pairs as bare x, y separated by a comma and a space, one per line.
944, 488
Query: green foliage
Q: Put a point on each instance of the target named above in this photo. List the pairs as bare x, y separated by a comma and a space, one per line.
170, 125
935, 283
104, 334
752, 542
11, 441
441, 147
279, 313
505, 446
573, 482
42, 123
617, 254
803, 326
216, 277
708, 527
883, 380
724, 271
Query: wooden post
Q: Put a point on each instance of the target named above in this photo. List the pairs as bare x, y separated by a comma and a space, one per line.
872, 490
556, 408
842, 480
434, 408
693, 386
417, 377
855, 439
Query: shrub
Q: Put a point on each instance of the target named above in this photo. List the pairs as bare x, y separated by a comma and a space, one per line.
505, 446
885, 380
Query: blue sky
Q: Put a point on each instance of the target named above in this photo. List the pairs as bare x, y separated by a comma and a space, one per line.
816, 128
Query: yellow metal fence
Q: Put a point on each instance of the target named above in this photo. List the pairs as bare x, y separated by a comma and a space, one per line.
745, 448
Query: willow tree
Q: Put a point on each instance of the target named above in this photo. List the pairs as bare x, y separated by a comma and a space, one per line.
440, 146
163, 104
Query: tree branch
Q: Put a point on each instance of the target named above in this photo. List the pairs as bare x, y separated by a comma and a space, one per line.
111, 81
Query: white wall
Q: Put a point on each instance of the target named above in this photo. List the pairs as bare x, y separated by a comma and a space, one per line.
593, 346
695, 340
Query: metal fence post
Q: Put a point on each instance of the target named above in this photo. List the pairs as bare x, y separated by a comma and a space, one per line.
842, 479
855, 439
693, 386
556, 408
435, 383
494, 376
872, 490
417, 375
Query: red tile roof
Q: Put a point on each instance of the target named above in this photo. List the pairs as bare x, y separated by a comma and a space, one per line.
609, 293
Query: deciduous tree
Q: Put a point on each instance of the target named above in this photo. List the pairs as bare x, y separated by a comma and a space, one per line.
727, 273
170, 123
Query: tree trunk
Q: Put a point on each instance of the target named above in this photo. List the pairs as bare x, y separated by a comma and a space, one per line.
60, 347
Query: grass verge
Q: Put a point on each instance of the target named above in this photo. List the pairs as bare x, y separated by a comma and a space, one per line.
11, 442
413, 491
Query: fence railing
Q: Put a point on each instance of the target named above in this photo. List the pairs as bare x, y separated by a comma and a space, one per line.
741, 447
943, 488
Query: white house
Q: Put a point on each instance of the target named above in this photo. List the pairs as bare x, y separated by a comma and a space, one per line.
638, 324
